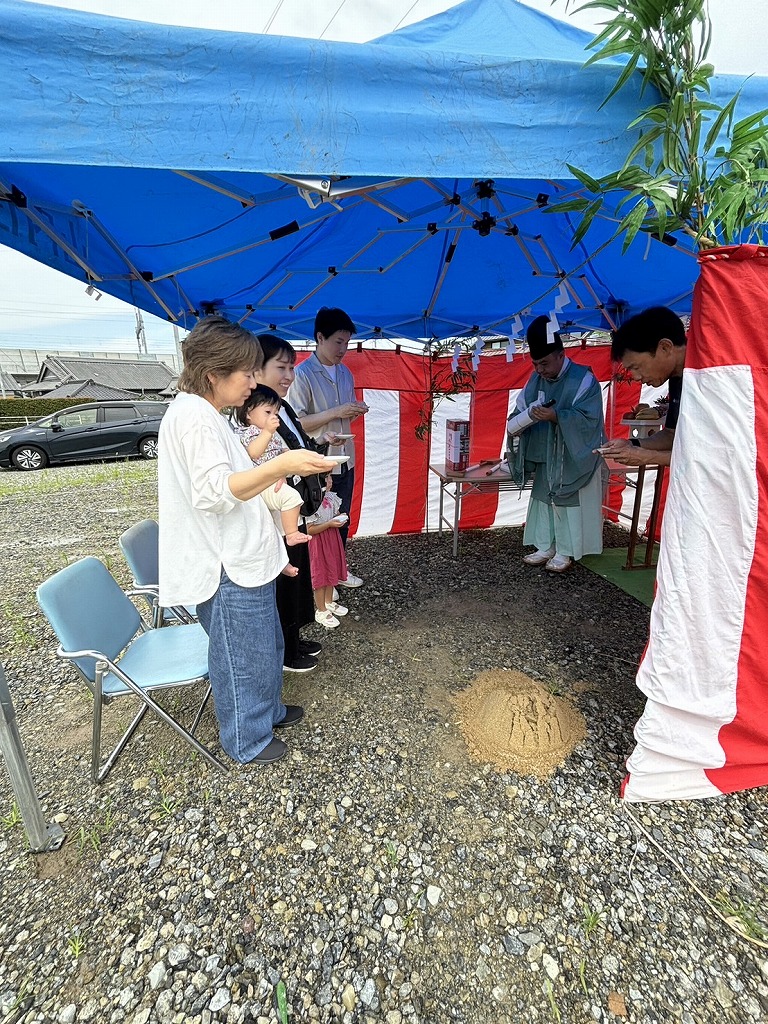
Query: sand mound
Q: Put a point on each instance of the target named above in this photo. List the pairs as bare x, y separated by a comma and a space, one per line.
513, 722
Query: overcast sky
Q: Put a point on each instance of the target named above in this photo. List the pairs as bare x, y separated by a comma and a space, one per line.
40, 308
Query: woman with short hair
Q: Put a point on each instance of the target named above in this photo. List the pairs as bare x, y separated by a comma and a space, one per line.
218, 546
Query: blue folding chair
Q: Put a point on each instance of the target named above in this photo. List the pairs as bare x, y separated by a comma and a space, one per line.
139, 546
101, 632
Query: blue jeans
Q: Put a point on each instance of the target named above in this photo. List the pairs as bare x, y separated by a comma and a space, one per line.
343, 485
245, 662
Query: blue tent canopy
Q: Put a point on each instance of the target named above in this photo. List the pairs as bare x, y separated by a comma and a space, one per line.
406, 179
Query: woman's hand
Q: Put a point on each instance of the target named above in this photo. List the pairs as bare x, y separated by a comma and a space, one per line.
302, 462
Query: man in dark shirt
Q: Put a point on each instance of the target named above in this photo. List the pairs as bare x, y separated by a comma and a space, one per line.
651, 347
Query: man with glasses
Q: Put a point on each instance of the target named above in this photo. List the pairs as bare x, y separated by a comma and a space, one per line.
556, 427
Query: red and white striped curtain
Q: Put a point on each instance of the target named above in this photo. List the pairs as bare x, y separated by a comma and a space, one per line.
394, 490
704, 730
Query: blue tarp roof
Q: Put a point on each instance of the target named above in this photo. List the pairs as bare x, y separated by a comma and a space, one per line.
262, 176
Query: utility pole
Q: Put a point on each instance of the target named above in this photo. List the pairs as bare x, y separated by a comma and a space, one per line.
141, 337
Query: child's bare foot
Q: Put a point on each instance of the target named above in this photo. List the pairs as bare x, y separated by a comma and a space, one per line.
290, 570
296, 538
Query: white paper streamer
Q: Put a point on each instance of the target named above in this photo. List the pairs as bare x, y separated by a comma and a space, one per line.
554, 324
456, 355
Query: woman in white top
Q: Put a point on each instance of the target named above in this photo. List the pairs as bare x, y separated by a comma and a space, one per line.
218, 547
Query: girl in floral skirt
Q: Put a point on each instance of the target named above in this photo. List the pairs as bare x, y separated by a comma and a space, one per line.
327, 561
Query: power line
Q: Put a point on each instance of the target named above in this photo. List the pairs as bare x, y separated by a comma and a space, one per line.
397, 26
333, 18
272, 17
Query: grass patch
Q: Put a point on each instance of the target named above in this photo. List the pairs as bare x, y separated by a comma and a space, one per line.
60, 478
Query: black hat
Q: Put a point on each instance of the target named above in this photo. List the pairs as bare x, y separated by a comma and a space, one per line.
538, 342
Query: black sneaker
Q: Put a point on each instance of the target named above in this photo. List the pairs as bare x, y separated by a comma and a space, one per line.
302, 663
310, 647
293, 715
273, 751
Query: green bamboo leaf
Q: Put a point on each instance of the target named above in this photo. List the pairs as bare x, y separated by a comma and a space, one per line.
613, 28
746, 142
586, 180
586, 220
726, 112
669, 144
631, 224
617, 48
629, 69
662, 216
748, 122
657, 115
646, 139
567, 206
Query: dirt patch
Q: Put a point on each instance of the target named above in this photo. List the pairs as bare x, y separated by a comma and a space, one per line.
57, 863
513, 722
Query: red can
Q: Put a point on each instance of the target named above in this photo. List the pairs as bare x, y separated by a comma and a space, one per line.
456, 445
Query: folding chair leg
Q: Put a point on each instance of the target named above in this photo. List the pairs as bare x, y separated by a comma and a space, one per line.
203, 751
98, 774
100, 771
200, 710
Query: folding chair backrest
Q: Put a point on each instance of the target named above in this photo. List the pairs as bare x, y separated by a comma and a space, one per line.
139, 544
88, 611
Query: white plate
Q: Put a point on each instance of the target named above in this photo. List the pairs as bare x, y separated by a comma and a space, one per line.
344, 437
338, 459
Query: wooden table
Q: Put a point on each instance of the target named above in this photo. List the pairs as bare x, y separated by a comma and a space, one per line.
626, 472
477, 480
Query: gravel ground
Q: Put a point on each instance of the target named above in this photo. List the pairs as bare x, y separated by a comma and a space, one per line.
377, 871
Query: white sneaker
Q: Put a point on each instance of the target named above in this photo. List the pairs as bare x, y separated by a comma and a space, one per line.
351, 581
337, 609
539, 557
327, 619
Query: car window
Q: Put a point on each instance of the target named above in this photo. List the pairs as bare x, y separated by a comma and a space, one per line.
118, 413
80, 418
152, 408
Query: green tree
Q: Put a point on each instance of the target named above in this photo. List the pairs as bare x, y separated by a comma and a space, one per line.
694, 168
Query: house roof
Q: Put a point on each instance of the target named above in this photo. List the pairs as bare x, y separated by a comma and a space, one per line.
8, 382
125, 375
92, 391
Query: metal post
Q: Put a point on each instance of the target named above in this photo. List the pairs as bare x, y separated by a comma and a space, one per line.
41, 837
179, 353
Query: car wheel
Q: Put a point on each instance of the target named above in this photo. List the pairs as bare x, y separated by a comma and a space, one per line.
148, 447
29, 456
